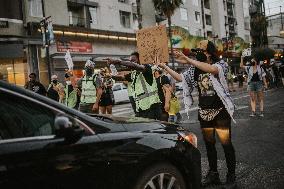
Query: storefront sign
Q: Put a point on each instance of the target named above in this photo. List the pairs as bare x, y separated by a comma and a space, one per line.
74, 46
4, 24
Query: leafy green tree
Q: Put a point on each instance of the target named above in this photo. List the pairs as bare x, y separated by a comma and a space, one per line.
168, 7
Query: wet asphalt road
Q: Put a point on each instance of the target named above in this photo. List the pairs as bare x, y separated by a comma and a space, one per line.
258, 143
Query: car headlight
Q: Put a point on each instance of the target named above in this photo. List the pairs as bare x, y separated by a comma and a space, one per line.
188, 137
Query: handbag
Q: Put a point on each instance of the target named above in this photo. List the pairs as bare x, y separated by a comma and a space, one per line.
174, 106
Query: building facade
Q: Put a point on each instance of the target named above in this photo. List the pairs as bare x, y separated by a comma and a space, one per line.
97, 29
274, 28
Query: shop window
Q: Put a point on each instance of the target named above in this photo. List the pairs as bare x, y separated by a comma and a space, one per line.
35, 8
125, 19
183, 14
197, 17
14, 71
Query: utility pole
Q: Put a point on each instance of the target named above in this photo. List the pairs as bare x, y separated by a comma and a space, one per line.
43, 22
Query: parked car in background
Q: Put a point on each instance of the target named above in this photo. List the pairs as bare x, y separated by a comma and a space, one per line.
44, 144
120, 93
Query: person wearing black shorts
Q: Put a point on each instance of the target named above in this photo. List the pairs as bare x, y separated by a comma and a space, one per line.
107, 98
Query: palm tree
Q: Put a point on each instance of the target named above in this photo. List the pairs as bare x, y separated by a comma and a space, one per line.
168, 7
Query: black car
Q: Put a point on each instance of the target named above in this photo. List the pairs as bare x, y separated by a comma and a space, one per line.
44, 144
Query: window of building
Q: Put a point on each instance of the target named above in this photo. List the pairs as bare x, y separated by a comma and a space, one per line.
183, 14
209, 33
198, 32
208, 19
93, 16
197, 17
195, 2
207, 4
135, 21
123, 1
225, 5
125, 19
35, 8
247, 38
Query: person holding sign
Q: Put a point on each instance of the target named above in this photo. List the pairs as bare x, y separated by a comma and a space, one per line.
144, 87
208, 74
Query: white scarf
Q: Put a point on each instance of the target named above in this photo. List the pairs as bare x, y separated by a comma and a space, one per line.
219, 84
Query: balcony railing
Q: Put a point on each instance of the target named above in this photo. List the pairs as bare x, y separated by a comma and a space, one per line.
77, 21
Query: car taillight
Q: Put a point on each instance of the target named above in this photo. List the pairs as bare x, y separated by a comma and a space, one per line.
188, 137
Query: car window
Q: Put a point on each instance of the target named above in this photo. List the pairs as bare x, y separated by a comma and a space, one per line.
116, 88
21, 117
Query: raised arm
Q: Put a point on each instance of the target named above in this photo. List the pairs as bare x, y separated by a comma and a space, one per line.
181, 58
242, 62
131, 65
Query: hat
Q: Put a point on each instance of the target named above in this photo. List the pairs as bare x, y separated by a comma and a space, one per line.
54, 77
90, 64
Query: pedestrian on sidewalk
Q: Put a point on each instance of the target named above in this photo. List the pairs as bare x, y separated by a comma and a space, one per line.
216, 107
72, 93
107, 98
35, 85
55, 90
256, 84
144, 85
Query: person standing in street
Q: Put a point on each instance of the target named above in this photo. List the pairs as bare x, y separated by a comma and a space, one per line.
144, 85
107, 98
256, 83
164, 91
55, 89
216, 107
35, 85
91, 87
71, 92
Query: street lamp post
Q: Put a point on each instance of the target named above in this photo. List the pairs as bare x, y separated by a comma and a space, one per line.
46, 45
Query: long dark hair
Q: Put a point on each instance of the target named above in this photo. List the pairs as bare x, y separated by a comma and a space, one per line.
212, 50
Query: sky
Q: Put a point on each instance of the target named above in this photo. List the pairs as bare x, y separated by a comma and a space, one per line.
273, 6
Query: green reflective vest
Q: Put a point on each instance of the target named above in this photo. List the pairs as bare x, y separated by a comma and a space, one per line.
70, 98
144, 94
89, 92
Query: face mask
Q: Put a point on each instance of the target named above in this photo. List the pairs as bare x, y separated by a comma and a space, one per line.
200, 56
89, 71
68, 82
54, 81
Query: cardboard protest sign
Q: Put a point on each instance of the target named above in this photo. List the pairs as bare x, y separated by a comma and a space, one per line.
152, 42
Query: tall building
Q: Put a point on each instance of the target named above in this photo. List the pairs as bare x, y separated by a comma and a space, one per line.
274, 28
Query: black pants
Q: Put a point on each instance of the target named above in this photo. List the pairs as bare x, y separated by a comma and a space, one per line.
221, 125
154, 112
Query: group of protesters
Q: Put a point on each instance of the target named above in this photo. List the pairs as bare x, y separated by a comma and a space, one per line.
151, 92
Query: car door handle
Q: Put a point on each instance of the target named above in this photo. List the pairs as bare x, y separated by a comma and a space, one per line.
3, 168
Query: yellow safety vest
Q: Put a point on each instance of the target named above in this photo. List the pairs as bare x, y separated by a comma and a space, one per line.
144, 94
89, 92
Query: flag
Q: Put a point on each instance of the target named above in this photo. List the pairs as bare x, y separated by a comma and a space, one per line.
68, 60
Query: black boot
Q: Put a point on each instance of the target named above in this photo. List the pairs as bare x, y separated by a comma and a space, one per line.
212, 178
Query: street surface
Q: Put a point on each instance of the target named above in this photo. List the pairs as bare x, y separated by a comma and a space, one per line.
258, 141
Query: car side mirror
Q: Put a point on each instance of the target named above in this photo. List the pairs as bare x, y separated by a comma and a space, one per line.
67, 128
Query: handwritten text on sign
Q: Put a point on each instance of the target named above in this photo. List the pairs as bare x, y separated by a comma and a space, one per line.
152, 42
